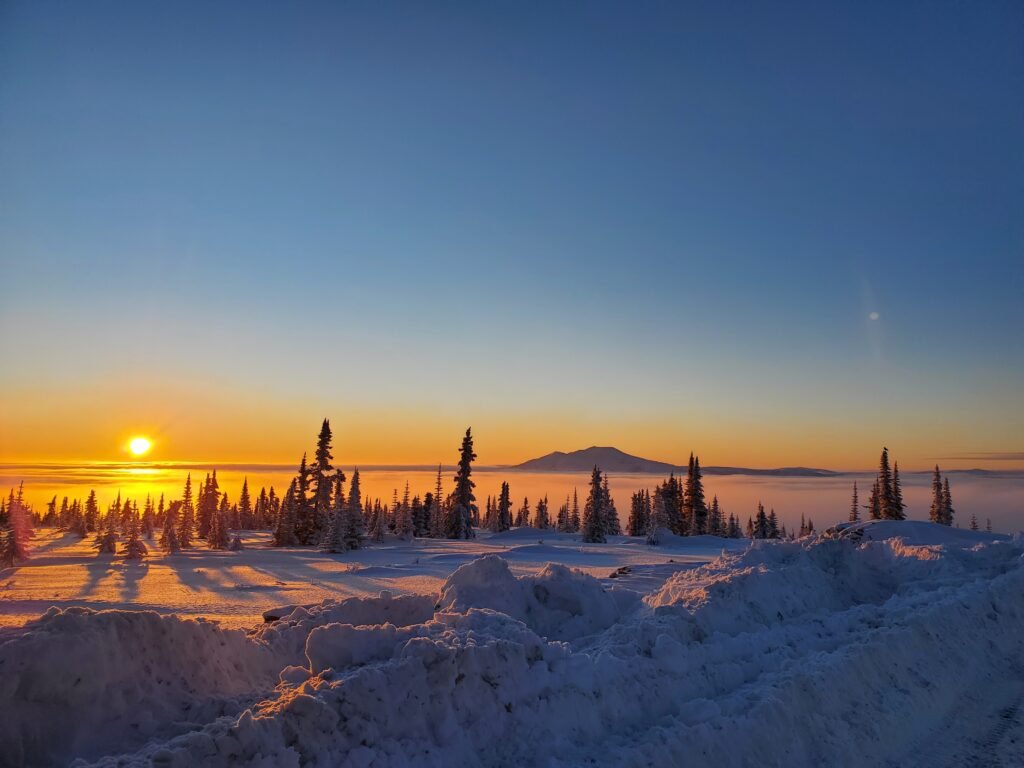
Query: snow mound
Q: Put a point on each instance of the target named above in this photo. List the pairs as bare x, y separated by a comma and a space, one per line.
917, 532
852, 674
78, 682
287, 636
558, 603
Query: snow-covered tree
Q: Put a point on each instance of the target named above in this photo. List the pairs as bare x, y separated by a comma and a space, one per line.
106, 539
695, 510
639, 514
134, 548
523, 515
854, 506
504, 508
540, 515
612, 525
169, 533
354, 526
219, 537
403, 517
899, 508
874, 505
974, 522
658, 519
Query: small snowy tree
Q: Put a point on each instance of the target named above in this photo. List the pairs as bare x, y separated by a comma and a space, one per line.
218, 537
284, 529
947, 503
134, 548
658, 520
403, 517
106, 540
854, 506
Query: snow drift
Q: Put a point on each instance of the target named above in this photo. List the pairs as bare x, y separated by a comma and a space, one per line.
857, 652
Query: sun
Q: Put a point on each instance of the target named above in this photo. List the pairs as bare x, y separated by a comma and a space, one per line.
139, 445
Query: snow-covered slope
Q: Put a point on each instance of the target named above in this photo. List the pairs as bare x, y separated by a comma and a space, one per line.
821, 652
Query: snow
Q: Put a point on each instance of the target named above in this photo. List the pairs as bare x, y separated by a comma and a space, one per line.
860, 651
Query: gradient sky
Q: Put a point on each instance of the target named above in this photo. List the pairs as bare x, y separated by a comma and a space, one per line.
660, 226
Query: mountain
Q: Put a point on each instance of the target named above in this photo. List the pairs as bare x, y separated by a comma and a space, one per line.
613, 460
608, 459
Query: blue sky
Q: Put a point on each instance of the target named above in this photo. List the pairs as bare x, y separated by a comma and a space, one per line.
652, 224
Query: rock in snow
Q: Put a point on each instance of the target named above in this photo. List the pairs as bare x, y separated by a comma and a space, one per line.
816, 652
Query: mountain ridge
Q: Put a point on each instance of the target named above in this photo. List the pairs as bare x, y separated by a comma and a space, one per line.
611, 459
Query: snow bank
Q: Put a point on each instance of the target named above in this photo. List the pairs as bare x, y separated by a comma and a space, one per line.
918, 532
81, 682
857, 653
558, 603
287, 636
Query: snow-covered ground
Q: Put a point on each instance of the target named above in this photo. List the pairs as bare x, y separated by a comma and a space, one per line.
898, 646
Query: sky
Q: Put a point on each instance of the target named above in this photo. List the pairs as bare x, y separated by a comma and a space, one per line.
776, 234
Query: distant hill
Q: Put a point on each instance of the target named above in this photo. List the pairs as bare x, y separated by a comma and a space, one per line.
613, 460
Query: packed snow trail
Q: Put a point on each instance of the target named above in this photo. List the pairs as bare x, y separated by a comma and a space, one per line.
829, 652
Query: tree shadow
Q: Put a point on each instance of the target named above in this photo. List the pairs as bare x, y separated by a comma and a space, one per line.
97, 569
131, 574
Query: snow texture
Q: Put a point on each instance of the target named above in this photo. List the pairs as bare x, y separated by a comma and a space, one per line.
859, 652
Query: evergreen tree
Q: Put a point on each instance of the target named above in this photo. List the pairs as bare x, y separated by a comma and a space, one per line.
377, 524
574, 515
988, 525
935, 513
106, 540
750, 527
92, 512
674, 503
504, 508
874, 505
594, 515
354, 528
716, 525
658, 520
246, 517
303, 508
523, 516
886, 494
773, 525
974, 522
696, 509
947, 503
760, 523
540, 517
236, 544
636, 523
322, 484
169, 534
899, 508
612, 525
458, 522
403, 517
854, 506
218, 537
134, 548
284, 530
186, 521
437, 511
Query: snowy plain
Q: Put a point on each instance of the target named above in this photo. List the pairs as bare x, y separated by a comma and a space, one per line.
900, 645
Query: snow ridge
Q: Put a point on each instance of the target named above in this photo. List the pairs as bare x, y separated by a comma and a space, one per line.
826, 652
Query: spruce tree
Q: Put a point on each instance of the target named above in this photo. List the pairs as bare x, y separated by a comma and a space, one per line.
574, 515
696, 510
246, 518
186, 521
377, 524
935, 512
219, 537
504, 508
354, 528
92, 512
636, 523
854, 506
886, 494
761, 523
523, 516
284, 530
947, 503
594, 516
303, 508
658, 520
612, 526
874, 505
540, 517
169, 534
974, 522
899, 508
106, 540
458, 522
403, 517
134, 548
322, 485
716, 525
437, 511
